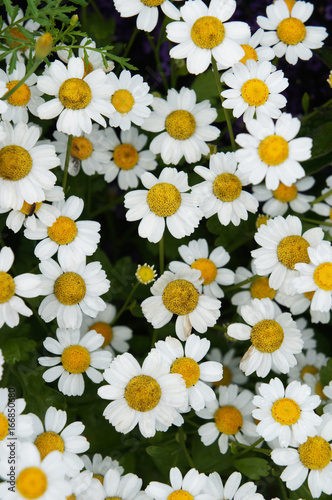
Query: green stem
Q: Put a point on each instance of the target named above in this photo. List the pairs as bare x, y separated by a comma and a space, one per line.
322, 197
107, 207
26, 76
251, 447
316, 222
161, 256
130, 43
96, 9
282, 489
65, 171
125, 305
183, 444
154, 338
242, 283
158, 62
228, 120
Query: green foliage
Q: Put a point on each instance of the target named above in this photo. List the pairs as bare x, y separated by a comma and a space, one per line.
253, 468
326, 373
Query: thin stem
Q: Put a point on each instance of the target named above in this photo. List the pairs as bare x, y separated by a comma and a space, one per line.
322, 197
130, 43
282, 489
228, 120
316, 222
249, 448
242, 283
161, 256
65, 171
158, 62
154, 338
26, 76
186, 452
96, 9
125, 305
107, 207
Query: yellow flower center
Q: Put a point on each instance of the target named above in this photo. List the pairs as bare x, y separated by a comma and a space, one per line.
228, 420
75, 93
75, 359
71, 497
262, 219
125, 156
285, 411
21, 96
273, 150
309, 369
180, 495
87, 68
69, 288
227, 187
81, 148
63, 230
208, 269
267, 336
122, 100
7, 287
15, 163
142, 393
15, 33
113, 498
323, 276
49, 441
99, 477
188, 368
255, 92
293, 249
152, 3
290, 4
30, 208
164, 199
31, 483
315, 453
260, 289
145, 274
207, 32
291, 31
285, 193
3, 426
249, 53
180, 297
180, 124
105, 330
226, 377
309, 295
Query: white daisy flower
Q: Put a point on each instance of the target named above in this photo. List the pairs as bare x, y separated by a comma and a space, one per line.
127, 487
2, 362
286, 413
115, 337
300, 302
315, 384
149, 396
231, 489
165, 203
73, 240
26, 98
204, 34
11, 289
327, 391
254, 88
25, 166
128, 161
283, 246
95, 60
23, 425
177, 293
72, 290
17, 35
311, 460
130, 99
196, 256
189, 486
308, 334
271, 152
230, 363
287, 33
55, 435
185, 361
186, 126
99, 465
146, 11
84, 487
88, 151
325, 208
308, 362
73, 357
231, 415
274, 338
77, 100
221, 193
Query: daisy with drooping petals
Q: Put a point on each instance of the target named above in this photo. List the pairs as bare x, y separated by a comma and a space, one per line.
25, 166
72, 290
221, 193
127, 487
232, 418
165, 203
196, 256
230, 365
271, 152
78, 99
147, 396
189, 486
177, 293
231, 490
99, 465
204, 34
73, 357
274, 338
254, 88
287, 33
186, 126
147, 11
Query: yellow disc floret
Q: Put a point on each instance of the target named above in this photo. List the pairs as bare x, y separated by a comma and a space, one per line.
3, 426
255, 92
285, 193
69, 288
285, 411
180, 124
81, 148
30, 208
315, 453
7, 287
226, 377
290, 4
291, 31
15, 163
75, 93
292, 250
180, 297
99, 477
323, 276
273, 150
21, 96
180, 495
207, 32
31, 483
227, 187
208, 269
260, 289
87, 68
152, 3
142, 393
75, 359
228, 420
262, 219
164, 199
249, 53
267, 336
145, 274
125, 156
63, 230
19, 36
309, 369
105, 330
188, 368
123, 101
113, 498
309, 295
49, 441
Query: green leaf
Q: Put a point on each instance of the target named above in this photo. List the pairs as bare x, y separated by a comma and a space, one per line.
17, 349
326, 373
305, 102
205, 85
316, 164
325, 55
253, 468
